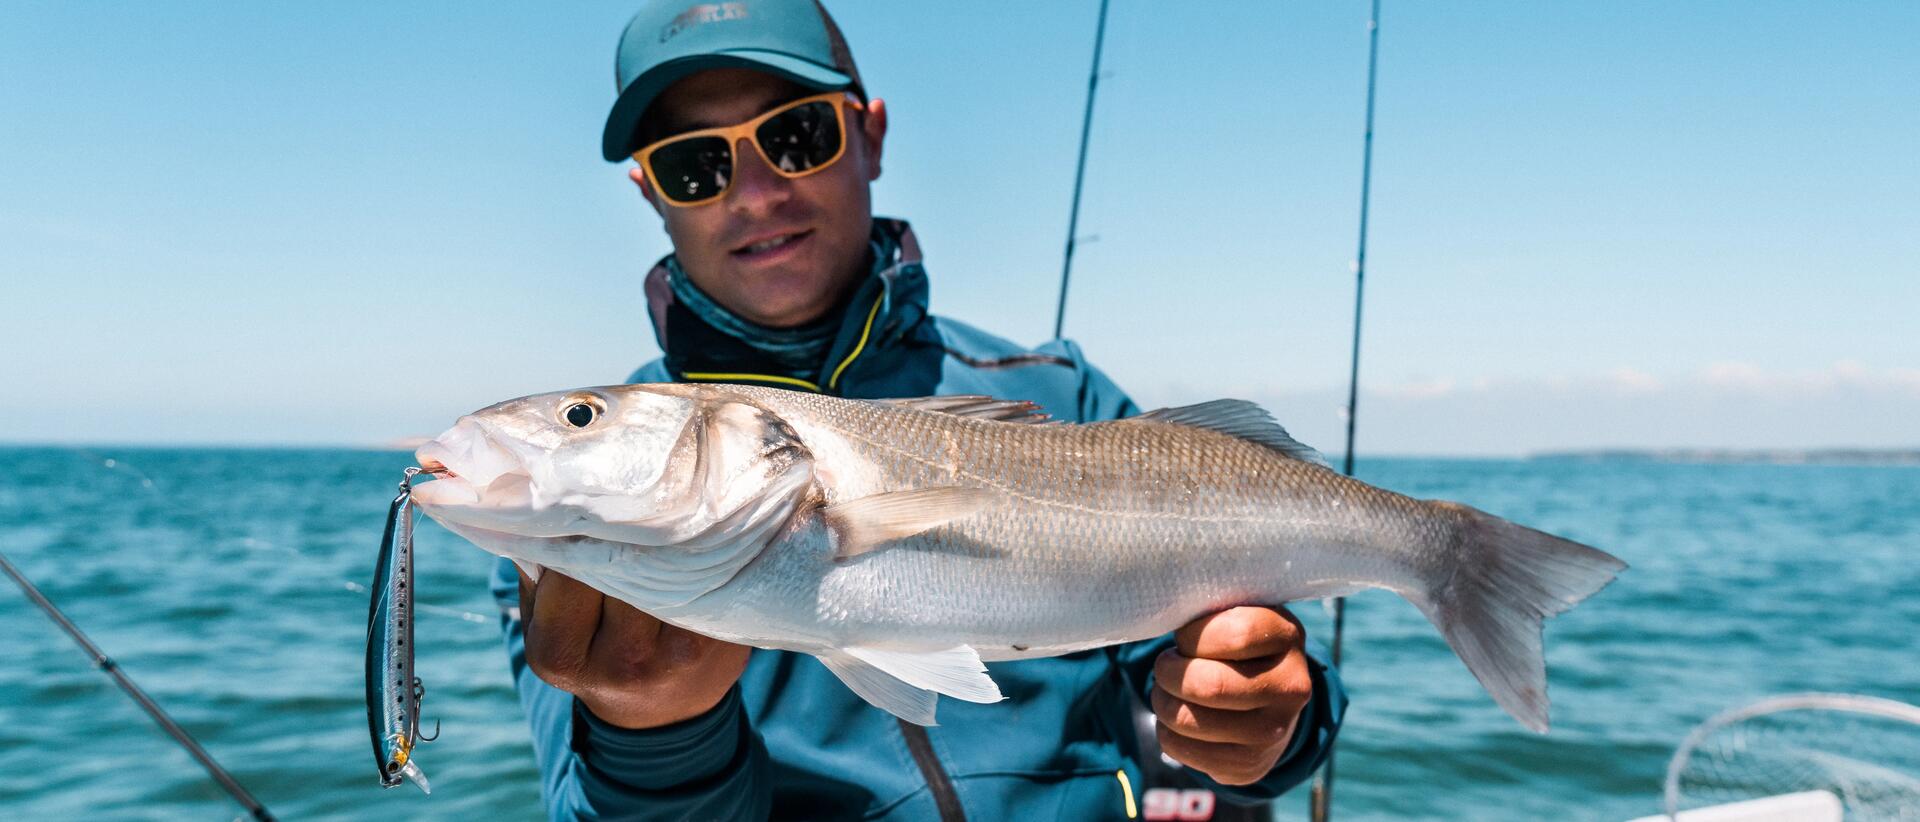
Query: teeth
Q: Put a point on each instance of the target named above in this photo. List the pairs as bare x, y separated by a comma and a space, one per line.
767, 245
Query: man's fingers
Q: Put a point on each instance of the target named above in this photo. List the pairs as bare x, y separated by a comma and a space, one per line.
1259, 728
1229, 764
560, 628
1231, 715
625, 624
624, 644
1240, 685
1235, 686
1247, 632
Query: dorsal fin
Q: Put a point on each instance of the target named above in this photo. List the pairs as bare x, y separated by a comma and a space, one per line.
1236, 418
977, 406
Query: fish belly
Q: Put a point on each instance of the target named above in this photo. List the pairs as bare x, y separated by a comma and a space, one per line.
1017, 586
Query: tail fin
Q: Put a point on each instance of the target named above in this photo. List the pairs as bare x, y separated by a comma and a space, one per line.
1504, 580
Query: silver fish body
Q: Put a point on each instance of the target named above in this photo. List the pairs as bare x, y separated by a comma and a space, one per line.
904, 542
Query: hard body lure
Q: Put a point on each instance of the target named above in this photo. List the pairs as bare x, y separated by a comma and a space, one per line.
393, 692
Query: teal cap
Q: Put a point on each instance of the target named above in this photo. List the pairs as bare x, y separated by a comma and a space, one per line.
670, 39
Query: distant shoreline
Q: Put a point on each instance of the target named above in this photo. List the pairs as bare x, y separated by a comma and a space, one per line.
1757, 456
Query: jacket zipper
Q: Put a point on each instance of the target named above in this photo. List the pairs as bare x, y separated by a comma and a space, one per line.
944, 796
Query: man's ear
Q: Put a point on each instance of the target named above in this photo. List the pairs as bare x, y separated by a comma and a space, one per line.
639, 178
873, 126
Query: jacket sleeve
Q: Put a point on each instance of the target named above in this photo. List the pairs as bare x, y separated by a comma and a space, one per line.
1101, 399
713, 766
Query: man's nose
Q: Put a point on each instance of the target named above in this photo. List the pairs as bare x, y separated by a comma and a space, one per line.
757, 188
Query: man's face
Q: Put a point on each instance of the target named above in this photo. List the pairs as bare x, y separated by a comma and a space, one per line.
777, 251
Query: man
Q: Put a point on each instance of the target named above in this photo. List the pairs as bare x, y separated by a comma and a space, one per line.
756, 144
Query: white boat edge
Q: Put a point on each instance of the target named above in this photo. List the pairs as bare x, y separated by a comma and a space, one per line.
1805, 806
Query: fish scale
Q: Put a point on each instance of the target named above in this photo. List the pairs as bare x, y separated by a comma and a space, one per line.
905, 541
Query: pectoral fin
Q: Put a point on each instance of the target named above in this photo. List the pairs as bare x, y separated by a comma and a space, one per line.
863, 524
905, 683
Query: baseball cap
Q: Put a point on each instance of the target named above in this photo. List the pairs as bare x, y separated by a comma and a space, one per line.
670, 39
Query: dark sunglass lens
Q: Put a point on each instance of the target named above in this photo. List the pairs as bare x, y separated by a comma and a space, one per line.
692, 169
801, 138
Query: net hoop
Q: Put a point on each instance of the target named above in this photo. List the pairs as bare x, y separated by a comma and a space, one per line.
1850, 703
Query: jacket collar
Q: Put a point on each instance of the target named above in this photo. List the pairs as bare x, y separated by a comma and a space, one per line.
704, 342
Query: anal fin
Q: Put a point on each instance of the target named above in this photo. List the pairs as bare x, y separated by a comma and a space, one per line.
906, 683
881, 690
956, 671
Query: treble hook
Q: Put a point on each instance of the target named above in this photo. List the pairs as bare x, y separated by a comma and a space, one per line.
419, 704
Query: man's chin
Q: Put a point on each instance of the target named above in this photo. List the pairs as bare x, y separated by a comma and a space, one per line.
784, 304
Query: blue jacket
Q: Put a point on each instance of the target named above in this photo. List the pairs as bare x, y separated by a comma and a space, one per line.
791, 741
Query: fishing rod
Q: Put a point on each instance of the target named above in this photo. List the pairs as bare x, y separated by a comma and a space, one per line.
153, 709
1080, 172
1323, 784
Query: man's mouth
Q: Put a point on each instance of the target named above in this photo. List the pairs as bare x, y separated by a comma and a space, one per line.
772, 246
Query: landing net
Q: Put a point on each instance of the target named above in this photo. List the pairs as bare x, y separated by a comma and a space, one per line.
1864, 750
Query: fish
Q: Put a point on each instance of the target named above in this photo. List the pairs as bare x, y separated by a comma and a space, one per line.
906, 542
394, 693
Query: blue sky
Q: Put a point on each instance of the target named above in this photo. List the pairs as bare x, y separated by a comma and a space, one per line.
1595, 223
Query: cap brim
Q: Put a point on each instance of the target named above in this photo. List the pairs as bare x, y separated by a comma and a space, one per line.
617, 140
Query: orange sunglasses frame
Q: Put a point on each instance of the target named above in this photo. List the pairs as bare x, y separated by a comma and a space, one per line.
732, 134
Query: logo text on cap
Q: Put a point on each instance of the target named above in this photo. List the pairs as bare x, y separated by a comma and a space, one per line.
700, 15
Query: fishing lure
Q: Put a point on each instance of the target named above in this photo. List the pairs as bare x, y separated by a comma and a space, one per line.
393, 692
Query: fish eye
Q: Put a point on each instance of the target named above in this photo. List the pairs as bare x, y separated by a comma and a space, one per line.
580, 414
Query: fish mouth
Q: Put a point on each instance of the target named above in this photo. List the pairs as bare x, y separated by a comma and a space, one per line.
465, 461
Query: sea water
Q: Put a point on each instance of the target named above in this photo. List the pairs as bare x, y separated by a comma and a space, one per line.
230, 585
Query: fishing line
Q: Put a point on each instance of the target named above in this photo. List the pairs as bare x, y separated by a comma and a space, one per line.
146, 703
255, 543
1323, 784
112, 668
115, 464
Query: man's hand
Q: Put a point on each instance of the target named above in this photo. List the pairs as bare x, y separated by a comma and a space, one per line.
629, 669
1229, 692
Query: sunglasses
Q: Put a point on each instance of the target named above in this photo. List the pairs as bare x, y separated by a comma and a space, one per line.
796, 139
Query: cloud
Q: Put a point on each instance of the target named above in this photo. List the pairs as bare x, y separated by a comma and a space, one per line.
1632, 381
1416, 390
1721, 405
1747, 378
1731, 378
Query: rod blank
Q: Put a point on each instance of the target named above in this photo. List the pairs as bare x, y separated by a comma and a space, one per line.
146, 703
1080, 173
1322, 803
